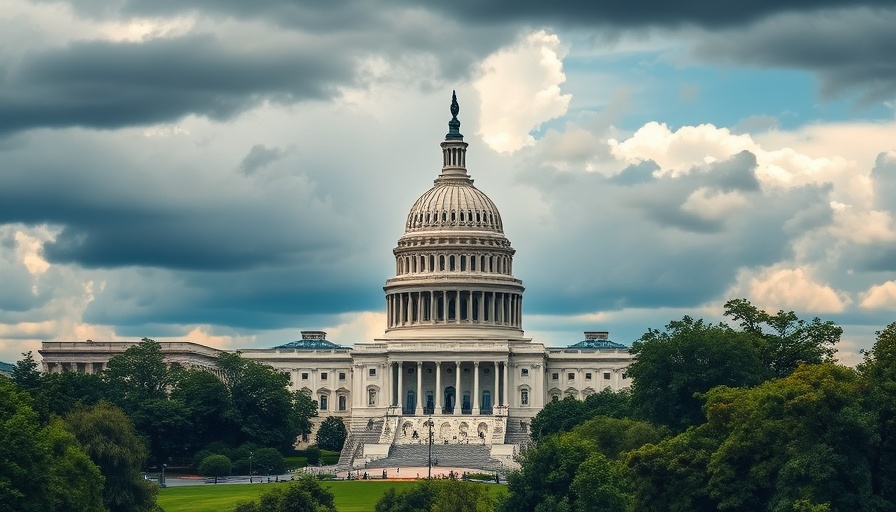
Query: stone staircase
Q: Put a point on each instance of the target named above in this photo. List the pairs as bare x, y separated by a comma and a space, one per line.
472, 456
360, 433
516, 434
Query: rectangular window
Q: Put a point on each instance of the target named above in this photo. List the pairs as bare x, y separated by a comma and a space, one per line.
570, 376
372, 372
323, 375
342, 402
371, 397
341, 375
304, 376
588, 376
606, 375
524, 397
323, 402
524, 372
555, 376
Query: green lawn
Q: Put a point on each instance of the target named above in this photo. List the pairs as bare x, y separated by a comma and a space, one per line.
351, 496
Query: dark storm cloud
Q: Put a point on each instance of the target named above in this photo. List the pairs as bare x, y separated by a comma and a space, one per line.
847, 49
109, 85
627, 13
636, 247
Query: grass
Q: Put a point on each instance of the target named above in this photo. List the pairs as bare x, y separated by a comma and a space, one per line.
350, 496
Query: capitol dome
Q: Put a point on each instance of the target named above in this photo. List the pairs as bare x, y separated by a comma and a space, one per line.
454, 204
453, 264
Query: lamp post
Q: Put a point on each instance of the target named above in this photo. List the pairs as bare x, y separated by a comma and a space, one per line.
429, 475
250, 467
162, 477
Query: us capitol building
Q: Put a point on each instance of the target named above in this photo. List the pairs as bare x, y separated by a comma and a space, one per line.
454, 350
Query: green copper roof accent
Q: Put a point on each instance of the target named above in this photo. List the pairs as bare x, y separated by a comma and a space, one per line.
454, 124
310, 345
597, 344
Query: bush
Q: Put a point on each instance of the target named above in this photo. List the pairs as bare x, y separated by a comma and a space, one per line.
313, 454
215, 466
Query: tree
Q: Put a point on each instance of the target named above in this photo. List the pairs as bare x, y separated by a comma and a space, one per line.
22, 454
139, 373
786, 341
59, 393
439, 495
557, 416
878, 374
108, 437
265, 410
208, 405
313, 455
25, 374
215, 466
42, 469
803, 438
331, 434
74, 482
613, 437
268, 460
306, 493
674, 366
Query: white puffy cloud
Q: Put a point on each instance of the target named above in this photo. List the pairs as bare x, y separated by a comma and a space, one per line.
789, 289
881, 296
519, 89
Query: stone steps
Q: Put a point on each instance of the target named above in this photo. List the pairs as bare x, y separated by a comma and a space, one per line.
473, 456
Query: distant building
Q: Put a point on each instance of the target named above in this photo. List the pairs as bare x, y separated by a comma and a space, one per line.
453, 349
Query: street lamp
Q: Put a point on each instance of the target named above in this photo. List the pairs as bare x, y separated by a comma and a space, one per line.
250, 467
162, 477
429, 475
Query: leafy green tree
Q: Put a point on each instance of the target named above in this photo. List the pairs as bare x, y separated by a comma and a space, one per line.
209, 407
878, 374
215, 466
306, 493
599, 486
437, 495
269, 460
265, 409
557, 416
73, 481
23, 455
672, 475
786, 341
690, 357
546, 474
331, 434
59, 393
25, 373
803, 438
614, 437
313, 455
42, 468
108, 437
138, 374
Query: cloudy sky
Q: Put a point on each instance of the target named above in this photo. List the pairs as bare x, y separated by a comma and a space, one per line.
233, 172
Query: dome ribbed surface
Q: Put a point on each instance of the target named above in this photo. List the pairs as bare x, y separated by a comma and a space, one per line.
454, 204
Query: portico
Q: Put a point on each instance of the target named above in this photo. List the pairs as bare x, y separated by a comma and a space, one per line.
446, 387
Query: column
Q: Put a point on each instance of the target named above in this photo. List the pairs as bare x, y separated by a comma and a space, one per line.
401, 309
496, 397
506, 384
481, 307
475, 395
438, 392
457, 306
470, 307
419, 407
432, 307
457, 394
401, 386
445, 306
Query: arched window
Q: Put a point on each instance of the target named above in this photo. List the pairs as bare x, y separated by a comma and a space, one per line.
451, 263
463, 263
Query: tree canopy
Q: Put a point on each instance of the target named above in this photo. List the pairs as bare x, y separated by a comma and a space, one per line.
331, 434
